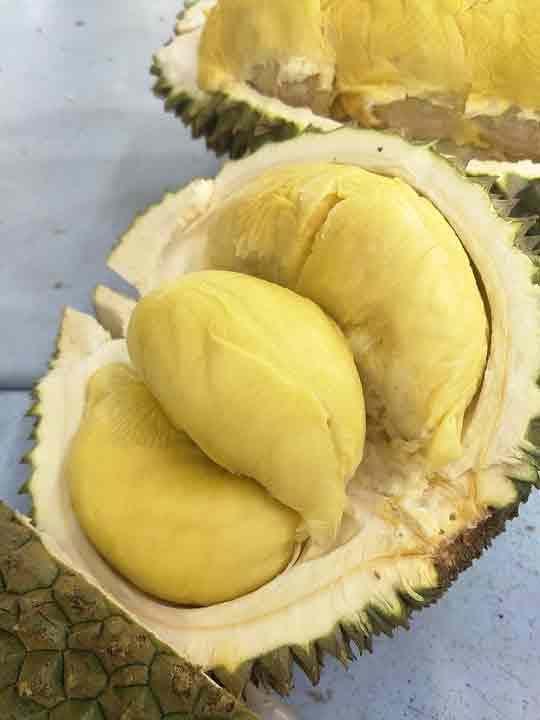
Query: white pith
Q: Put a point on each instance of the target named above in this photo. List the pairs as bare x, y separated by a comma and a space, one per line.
397, 517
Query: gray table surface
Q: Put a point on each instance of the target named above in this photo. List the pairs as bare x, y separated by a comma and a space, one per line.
83, 147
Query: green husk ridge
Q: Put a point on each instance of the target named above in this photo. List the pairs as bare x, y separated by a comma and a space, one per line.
68, 653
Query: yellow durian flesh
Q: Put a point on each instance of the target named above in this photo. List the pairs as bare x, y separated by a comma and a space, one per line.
270, 43
386, 265
503, 47
262, 380
392, 48
474, 55
162, 513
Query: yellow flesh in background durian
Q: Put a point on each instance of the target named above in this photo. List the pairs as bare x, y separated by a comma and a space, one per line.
503, 49
382, 46
386, 265
458, 52
262, 380
160, 512
249, 40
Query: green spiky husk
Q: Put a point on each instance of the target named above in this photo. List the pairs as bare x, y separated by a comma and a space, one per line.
275, 669
68, 653
528, 203
229, 127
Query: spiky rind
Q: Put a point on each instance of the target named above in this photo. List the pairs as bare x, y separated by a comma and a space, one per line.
308, 660
69, 652
472, 542
34, 414
229, 126
235, 682
528, 203
274, 671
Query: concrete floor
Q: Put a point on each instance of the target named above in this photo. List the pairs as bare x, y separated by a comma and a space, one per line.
83, 147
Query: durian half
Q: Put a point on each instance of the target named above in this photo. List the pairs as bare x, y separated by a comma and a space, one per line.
408, 534
242, 72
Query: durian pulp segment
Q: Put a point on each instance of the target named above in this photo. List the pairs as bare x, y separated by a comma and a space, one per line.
262, 380
386, 51
392, 273
395, 539
167, 518
479, 57
270, 44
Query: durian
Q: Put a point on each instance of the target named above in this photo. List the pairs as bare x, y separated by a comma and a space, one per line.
409, 527
246, 72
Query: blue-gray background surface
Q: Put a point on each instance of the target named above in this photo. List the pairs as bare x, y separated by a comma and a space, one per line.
83, 146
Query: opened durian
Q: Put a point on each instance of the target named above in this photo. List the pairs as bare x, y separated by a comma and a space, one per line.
245, 72
434, 291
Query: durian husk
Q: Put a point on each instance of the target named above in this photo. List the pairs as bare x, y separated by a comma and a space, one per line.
413, 586
70, 653
518, 183
241, 119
